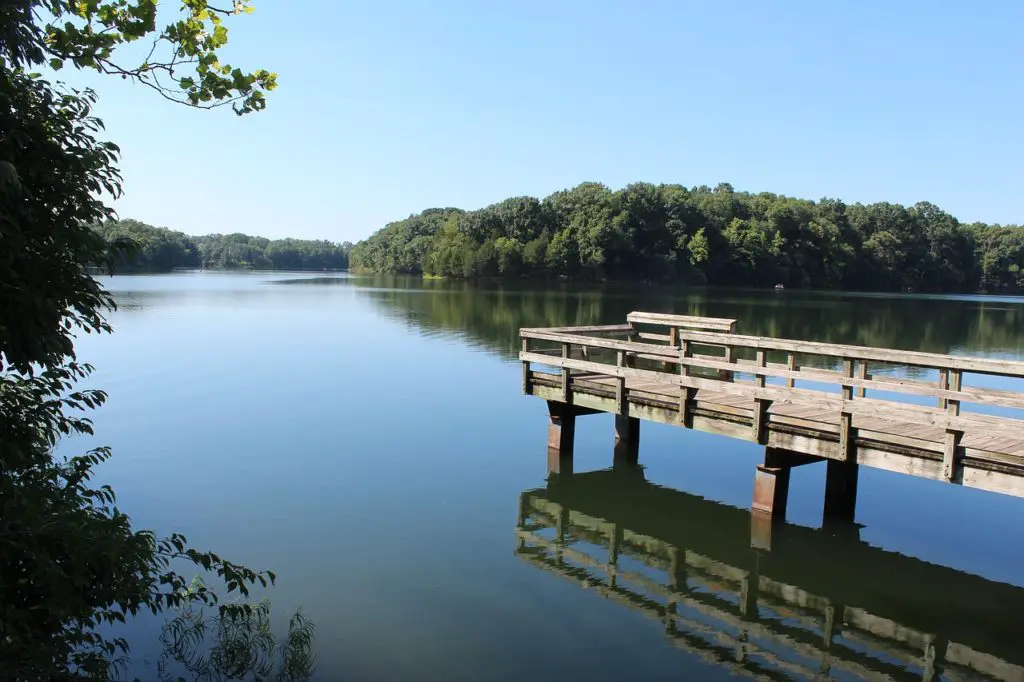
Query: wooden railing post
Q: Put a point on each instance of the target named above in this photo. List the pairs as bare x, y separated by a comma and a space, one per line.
685, 392
727, 375
673, 342
620, 384
791, 366
862, 373
954, 381
526, 368
943, 386
761, 405
846, 417
566, 351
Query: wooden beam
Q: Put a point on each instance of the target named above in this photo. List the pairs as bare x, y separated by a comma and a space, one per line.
687, 321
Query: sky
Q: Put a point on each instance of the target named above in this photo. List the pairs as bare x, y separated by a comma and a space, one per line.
388, 107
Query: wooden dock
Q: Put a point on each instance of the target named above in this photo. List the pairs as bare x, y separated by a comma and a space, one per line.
922, 414
817, 606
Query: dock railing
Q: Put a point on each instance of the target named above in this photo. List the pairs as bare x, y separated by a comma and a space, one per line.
705, 354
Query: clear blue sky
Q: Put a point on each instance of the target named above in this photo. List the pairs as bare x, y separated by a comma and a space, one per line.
387, 108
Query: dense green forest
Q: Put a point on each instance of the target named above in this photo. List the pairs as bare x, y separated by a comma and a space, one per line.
157, 249
669, 233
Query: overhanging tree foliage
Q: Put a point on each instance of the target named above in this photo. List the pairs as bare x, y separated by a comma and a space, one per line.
70, 561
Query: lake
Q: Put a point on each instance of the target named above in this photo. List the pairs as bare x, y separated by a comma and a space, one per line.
367, 439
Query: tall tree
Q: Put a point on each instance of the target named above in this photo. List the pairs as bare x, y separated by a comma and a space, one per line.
70, 561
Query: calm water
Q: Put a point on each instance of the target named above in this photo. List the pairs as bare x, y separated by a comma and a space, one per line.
367, 440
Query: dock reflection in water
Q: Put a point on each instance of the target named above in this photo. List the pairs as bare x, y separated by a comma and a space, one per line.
817, 604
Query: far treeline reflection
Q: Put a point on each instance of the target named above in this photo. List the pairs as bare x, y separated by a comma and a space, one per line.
493, 315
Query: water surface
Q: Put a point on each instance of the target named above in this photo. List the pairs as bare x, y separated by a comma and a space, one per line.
366, 438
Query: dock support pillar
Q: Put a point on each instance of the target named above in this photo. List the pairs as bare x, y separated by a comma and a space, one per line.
840, 492
627, 440
771, 485
771, 493
561, 437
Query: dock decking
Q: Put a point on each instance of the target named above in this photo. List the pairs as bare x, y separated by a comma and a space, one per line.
915, 413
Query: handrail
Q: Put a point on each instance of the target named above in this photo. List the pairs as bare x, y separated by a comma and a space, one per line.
1012, 368
853, 381
868, 407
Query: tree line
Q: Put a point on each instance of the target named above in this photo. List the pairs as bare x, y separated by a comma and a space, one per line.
158, 249
700, 235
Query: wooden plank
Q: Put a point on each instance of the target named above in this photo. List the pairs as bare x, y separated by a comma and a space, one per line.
687, 321
597, 328
898, 439
650, 336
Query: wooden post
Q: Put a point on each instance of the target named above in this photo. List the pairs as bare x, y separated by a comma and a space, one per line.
526, 368
840, 492
950, 460
726, 375
685, 392
771, 488
627, 440
791, 366
862, 373
846, 418
761, 405
771, 493
673, 341
943, 386
620, 384
566, 350
561, 437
